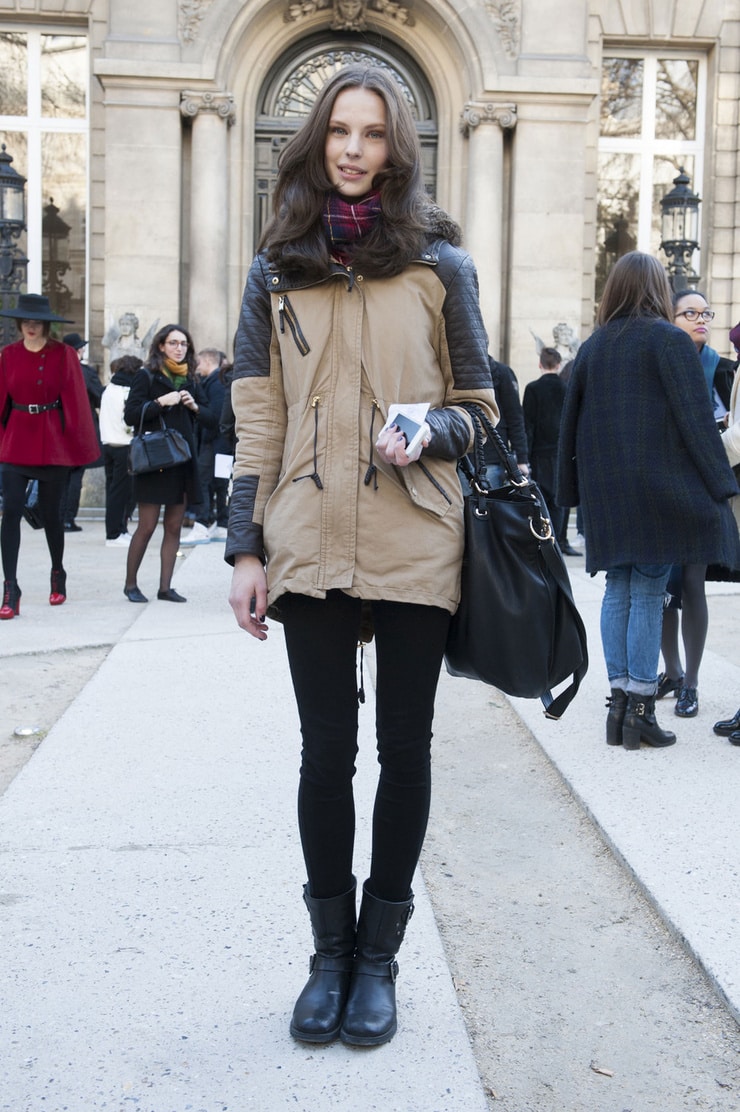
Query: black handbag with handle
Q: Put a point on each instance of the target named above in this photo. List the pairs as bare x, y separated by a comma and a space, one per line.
517, 626
156, 450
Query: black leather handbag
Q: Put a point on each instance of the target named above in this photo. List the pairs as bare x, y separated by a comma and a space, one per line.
156, 450
517, 626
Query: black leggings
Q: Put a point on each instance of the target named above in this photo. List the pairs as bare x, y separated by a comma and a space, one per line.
51, 496
321, 637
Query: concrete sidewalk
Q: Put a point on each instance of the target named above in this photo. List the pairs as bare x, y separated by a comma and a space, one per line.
154, 937
152, 929
670, 814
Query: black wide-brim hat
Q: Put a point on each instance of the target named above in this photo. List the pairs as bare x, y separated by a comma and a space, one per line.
33, 306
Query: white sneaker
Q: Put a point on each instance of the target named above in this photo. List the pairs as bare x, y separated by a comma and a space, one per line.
218, 532
123, 540
197, 535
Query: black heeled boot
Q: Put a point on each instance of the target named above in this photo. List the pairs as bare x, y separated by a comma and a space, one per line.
370, 1015
617, 704
640, 724
317, 1016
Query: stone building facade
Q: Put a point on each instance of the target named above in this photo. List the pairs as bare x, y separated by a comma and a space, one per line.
550, 130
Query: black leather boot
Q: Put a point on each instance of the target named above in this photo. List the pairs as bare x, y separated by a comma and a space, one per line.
318, 1011
617, 704
640, 724
370, 1015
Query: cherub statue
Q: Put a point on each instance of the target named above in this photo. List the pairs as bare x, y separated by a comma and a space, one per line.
123, 338
564, 339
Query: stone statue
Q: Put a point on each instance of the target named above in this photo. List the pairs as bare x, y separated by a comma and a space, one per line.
564, 340
123, 338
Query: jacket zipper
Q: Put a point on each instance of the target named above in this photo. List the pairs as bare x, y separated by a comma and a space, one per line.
315, 474
287, 312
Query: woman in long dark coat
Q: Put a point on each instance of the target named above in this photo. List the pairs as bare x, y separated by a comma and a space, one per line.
166, 388
639, 451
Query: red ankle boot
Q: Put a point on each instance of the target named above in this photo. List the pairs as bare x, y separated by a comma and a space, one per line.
58, 587
11, 607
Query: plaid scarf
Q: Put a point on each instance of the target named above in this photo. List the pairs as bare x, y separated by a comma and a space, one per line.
347, 221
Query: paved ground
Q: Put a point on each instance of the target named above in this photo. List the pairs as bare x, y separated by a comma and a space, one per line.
583, 899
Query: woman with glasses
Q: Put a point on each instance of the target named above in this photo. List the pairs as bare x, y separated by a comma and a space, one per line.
165, 388
686, 590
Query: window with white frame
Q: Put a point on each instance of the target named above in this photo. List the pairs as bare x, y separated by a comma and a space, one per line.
44, 79
652, 123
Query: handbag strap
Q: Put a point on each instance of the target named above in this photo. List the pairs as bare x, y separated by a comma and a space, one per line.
481, 425
160, 415
556, 707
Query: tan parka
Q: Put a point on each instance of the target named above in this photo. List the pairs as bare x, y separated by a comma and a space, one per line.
316, 368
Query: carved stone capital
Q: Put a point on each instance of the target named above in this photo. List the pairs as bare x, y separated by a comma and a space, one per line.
487, 112
222, 104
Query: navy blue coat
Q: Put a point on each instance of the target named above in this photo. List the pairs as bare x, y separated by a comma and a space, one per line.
640, 452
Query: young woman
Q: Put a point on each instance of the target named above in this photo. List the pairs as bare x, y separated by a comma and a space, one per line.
166, 388
46, 428
359, 298
639, 451
686, 584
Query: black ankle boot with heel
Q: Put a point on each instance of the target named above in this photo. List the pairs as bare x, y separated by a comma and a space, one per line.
617, 704
640, 724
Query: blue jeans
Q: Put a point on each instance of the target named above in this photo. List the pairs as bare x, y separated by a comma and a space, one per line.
631, 624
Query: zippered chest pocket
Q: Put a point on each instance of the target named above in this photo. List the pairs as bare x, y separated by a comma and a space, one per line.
286, 315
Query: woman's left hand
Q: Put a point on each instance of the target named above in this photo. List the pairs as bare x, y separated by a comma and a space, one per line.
188, 400
391, 447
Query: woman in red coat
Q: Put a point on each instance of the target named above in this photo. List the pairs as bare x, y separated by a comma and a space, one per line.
45, 428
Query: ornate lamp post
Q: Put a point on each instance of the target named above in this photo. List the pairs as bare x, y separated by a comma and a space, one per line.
55, 261
12, 260
679, 225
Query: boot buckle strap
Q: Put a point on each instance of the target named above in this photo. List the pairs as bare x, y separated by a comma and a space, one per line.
366, 968
324, 964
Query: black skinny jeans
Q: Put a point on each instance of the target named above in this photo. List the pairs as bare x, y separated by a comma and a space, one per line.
321, 638
51, 497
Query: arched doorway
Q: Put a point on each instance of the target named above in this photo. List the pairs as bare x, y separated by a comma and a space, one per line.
289, 91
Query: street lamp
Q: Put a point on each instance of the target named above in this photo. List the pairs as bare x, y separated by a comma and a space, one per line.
679, 226
55, 258
12, 260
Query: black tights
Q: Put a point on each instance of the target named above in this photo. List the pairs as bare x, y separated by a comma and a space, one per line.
321, 637
148, 518
51, 495
694, 615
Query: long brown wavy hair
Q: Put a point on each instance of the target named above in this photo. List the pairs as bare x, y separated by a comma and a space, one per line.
637, 286
295, 238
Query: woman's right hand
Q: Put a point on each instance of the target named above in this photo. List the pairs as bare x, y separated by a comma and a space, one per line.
248, 595
173, 398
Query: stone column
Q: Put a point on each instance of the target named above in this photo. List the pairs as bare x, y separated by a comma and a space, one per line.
212, 115
483, 123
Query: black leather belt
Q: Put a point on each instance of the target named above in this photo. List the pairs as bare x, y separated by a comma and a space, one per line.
38, 408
